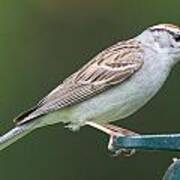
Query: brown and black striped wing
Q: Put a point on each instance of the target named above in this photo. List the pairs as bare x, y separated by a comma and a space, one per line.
107, 69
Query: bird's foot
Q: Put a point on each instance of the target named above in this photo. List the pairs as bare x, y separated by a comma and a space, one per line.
114, 152
114, 132
122, 152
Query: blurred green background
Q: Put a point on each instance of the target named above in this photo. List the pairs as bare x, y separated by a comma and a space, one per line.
44, 41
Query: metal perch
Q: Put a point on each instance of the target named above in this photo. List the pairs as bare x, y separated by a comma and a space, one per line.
169, 142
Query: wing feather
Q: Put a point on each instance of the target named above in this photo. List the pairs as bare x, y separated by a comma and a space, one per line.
110, 67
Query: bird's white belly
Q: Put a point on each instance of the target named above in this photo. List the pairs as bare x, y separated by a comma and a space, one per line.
114, 104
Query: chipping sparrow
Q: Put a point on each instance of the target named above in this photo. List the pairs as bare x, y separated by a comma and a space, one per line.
112, 86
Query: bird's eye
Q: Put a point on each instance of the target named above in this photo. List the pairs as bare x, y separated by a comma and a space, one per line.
177, 38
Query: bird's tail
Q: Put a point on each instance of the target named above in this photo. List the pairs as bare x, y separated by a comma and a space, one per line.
14, 134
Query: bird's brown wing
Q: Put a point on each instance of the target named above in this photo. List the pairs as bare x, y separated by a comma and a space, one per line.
110, 67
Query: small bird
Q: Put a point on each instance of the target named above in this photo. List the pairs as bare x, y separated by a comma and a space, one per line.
112, 86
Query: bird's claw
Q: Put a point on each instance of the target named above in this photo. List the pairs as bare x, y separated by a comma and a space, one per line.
117, 152
123, 152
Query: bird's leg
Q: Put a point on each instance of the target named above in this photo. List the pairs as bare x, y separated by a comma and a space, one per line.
114, 131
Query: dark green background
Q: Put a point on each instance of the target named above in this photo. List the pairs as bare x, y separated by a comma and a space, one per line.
44, 41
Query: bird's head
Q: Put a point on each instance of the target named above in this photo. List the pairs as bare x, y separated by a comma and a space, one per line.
164, 38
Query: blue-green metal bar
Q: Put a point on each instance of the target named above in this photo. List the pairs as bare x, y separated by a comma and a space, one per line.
170, 142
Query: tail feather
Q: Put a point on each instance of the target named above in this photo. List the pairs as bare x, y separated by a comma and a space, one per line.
23, 115
14, 134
